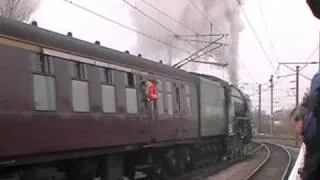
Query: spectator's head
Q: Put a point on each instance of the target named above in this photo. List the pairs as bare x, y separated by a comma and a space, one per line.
297, 117
305, 100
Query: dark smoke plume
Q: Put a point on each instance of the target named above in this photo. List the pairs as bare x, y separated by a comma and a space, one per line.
196, 16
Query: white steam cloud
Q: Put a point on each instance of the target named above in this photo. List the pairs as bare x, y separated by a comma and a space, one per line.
195, 17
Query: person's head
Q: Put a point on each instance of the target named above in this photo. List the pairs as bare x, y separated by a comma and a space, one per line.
297, 117
305, 100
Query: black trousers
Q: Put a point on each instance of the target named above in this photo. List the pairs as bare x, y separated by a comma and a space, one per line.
311, 170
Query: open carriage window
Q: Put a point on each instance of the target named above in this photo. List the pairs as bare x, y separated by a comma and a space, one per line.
131, 93
178, 98
188, 99
80, 70
44, 92
44, 64
169, 97
160, 102
108, 90
130, 79
80, 87
107, 75
44, 89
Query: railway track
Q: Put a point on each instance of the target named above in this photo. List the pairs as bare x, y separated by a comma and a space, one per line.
275, 165
204, 173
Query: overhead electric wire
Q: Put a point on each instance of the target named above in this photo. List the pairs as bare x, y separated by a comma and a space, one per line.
197, 34
257, 37
151, 18
306, 77
201, 41
299, 73
202, 35
257, 93
126, 27
310, 56
198, 56
170, 17
204, 15
268, 31
263, 90
163, 26
249, 73
193, 54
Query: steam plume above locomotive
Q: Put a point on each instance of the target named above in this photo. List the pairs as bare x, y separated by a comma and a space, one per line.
193, 17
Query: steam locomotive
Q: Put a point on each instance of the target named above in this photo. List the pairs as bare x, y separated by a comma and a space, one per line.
71, 109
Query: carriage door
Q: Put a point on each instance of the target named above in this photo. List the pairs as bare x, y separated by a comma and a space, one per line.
150, 104
178, 109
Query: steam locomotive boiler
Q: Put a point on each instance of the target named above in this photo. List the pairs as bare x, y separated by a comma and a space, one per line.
71, 109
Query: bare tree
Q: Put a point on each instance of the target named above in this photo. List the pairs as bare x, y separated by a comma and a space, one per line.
18, 9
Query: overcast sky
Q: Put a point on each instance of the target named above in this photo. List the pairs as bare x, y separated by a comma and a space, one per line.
294, 32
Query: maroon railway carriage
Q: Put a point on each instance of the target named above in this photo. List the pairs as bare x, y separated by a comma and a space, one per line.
80, 109
61, 94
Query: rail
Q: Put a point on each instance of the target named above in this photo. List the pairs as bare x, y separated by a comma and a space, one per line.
259, 168
273, 137
285, 174
256, 149
210, 170
261, 164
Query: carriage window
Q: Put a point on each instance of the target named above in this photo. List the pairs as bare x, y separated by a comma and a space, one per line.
107, 75
44, 65
187, 89
44, 92
160, 104
159, 85
80, 96
169, 104
168, 86
79, 70
188, 105
132, 102
131, 93
108, 99
130, 79
44, 89
188, 100
178, 98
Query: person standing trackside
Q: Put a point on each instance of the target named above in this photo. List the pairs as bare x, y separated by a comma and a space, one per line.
311, 126
297, 117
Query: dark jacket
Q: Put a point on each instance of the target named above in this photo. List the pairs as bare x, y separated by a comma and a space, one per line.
315, 7
311, 132
311, 126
